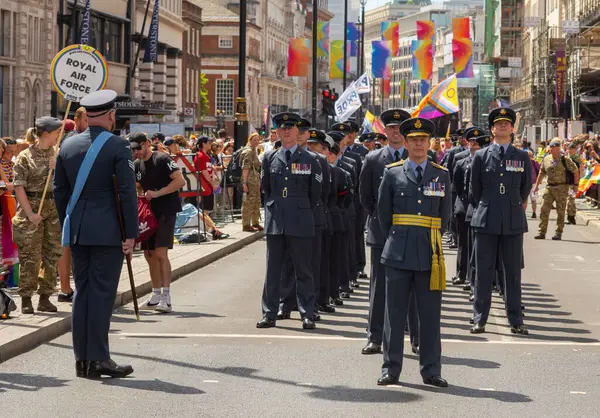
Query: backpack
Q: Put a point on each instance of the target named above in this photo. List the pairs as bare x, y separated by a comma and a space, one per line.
233, 173
147, 221
570, 175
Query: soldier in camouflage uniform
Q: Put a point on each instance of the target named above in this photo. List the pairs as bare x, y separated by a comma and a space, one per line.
251, 185
571, 208
555, 166
37, 236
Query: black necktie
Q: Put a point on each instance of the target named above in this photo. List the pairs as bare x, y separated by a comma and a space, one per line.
397, 156
501, 152
288, 155
419, 174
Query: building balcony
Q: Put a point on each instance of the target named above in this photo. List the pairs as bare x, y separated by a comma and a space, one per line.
589, 12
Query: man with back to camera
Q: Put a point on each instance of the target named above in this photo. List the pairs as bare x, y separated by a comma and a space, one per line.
92, 230
161, 179
291, 181
500, 184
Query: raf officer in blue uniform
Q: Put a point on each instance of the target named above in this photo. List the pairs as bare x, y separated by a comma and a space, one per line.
414, 207
370, 180
94, 234
291, 182
448, 162
357, 148
500, 183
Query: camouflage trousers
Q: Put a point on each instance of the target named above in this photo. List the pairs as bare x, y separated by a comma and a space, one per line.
251, 206
553, 194
38, 246
571, 208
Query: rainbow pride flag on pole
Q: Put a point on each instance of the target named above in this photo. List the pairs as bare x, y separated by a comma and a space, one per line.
441, 100
371, 123
591, 177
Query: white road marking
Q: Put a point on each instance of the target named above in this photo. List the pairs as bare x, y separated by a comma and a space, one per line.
519, 341
579, 258
210, 381
488, 389
303, 384
577, 393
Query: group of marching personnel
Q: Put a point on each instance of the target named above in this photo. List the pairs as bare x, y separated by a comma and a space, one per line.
321, 190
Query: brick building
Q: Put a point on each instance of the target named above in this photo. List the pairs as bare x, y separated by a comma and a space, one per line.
192, 61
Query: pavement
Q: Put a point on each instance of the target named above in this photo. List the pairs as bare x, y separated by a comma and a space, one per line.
207, 359
24, 332
586, 214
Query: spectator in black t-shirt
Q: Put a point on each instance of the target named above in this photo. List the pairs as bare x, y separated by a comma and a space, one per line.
160, 179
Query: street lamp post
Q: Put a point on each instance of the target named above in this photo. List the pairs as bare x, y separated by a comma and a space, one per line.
345, 43
361, 61
315, 79
241, 113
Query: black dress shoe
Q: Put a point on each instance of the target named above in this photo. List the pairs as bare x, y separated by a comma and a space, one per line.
467, 287
308, 324
452, 245
362, 275
458, 280
316, 317
471, 297
108, 368
436, 381
556, 237
387, 379
326, 308
65, 297
478, 329
82, 368
540, 236
283, 315
349, 290
354, 284
338, 302
265, 323
415, 349
522, 307
345, 295
519, 329
371, 348
471, 321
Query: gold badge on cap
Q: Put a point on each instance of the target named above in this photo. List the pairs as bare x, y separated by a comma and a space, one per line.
313, 134
503, 112
285, 117
475, 132
342, 127
396, 115
418, 124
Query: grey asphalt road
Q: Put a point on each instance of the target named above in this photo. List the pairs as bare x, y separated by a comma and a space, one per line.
207, 359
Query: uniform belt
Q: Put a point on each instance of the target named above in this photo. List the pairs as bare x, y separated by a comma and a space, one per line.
437, 280
556, 184
38, 195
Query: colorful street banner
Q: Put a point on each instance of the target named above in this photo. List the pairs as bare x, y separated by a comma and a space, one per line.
85, 36
592, 176
387, 87
561, 74
461, 27
381, 59
422, 61
352, 35
299, 57
462, 54
336, 60
390, 31
151, 47
424, 88
441, 100
322, 39
425, 30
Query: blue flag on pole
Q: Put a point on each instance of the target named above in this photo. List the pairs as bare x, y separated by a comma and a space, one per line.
151, 48
85, 37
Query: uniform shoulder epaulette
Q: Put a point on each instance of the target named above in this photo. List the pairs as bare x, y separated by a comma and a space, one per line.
396, 164
441, 167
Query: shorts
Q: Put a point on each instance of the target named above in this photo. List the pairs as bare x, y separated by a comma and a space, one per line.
533, 197
208, 202
165, 233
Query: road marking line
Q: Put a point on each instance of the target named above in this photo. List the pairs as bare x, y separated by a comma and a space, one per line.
210, 381
577, 393
303, 384
488, 389
523, 341
580, 258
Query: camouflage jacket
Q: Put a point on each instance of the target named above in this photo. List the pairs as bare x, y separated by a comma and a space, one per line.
556, 170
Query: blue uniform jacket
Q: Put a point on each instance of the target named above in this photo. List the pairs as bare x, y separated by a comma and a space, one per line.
292, 191
94, 220
500, 190
409, 247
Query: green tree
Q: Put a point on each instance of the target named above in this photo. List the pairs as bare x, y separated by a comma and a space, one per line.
204, 105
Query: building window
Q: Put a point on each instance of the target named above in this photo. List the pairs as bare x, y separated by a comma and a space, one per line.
112, 41
225, 41
224, 99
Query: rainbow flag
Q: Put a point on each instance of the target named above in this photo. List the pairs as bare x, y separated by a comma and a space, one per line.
299, 56
336, 60
425, 30
462, 53
591, 177
373, 124
422, 60
381, 59
441, 100
322, 39
390, 31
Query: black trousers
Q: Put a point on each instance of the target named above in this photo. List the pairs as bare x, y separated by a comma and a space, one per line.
359, 233
300, 250
348, 259
399, 286
338, 255
462, 255
489, 250
326, 260
97, 271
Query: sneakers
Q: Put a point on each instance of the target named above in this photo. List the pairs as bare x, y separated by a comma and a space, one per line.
151, 303
165, 304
